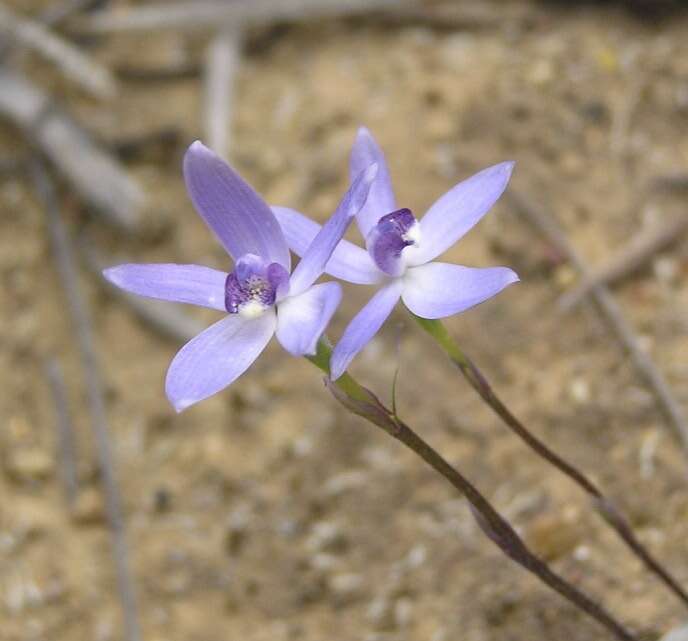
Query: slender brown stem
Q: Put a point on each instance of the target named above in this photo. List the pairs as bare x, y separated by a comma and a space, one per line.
602, 504
363, 402
503, 535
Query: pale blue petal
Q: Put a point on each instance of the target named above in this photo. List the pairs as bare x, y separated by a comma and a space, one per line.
348, 261
217, 357
452, 215
381, 200
191, 284
237, 215
313, 263
364, 326
437, 290
302, 319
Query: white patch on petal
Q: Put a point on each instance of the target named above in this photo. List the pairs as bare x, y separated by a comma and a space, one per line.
412, 235
252, 309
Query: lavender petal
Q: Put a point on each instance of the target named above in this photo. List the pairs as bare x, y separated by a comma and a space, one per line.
237, 215
191, 284
364, 326
302, 319
217, 357
453, 214
348, 261
437, 290
320, 250
381, 200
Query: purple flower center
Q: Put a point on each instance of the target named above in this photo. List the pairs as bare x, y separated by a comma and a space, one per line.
254, 286
387, 240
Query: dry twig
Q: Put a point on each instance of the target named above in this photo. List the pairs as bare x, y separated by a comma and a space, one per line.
611, 311
223, 59
205, 14
82, 328
629, 259
70, 60
66, 443
93, 173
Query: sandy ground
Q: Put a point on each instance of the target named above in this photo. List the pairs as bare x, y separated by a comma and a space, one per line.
268, 513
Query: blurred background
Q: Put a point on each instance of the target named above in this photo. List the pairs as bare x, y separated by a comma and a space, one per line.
267, 512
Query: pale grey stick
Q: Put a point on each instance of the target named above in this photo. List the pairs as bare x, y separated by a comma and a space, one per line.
160, 316
66, 443
50, 17
69, 59
611, 311
211, 15
222, 63
78, 311
96, 176
57, 12
629, 259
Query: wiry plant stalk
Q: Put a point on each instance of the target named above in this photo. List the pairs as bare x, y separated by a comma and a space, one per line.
600, 502
363, 402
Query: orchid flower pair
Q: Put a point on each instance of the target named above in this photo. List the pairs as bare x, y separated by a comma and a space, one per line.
263, 299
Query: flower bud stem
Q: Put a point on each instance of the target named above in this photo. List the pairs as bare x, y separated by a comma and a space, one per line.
363, 402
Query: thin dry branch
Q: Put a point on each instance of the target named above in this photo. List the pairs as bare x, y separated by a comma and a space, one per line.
66, 443
69, 59
611, 311
635, 255
205, 15
57, 12
96, 176
81, 323
222, 64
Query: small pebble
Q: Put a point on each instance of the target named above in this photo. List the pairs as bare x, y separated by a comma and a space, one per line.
327, 536
380, 613
346, 588
29, 464
553, 536
88, 508
579, 391
403, 612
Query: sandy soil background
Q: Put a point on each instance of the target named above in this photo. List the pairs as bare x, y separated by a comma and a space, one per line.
267, 512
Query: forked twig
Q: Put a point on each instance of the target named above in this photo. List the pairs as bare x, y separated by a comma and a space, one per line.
82, 325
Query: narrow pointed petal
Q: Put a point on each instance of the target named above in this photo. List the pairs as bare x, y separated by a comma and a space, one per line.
455, 213
320, 250
364, 326
191, 284
381, 200
348, 262
437, 290
217, 357
302, 319
232, 209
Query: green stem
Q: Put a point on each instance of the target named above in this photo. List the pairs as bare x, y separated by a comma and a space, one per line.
604, 506
345, 382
